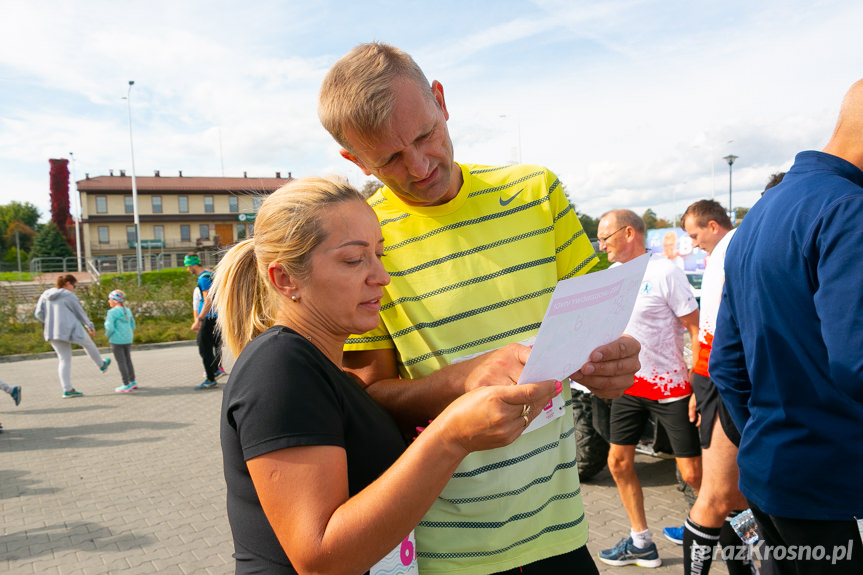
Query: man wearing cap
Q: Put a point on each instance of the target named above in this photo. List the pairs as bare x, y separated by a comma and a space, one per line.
209, 340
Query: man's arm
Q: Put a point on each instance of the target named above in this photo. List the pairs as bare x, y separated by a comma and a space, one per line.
728, 365
205, 309
690, 322
414, 402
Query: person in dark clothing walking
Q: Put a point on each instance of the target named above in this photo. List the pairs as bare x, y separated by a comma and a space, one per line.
209, 340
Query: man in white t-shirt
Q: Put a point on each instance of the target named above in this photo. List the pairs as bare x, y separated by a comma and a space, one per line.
664, 307
719, 499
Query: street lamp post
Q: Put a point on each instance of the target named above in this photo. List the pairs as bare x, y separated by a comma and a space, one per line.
78, 217
730, 159
134, 187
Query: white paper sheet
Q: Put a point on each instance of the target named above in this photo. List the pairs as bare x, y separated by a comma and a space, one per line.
585, 312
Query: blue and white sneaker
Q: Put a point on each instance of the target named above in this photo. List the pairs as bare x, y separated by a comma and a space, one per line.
105, 363
206, 384
626, 553
674, 534
16, 395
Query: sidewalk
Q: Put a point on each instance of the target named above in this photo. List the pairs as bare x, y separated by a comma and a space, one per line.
132, 483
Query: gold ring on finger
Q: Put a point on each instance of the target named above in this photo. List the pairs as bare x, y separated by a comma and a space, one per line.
525, 419
525, 410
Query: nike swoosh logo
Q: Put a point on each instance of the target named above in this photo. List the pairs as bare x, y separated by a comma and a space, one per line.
506, 202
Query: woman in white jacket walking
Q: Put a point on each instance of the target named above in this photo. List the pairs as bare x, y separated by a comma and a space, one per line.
64, 318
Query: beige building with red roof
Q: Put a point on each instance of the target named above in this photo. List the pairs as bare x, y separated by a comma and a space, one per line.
177, 214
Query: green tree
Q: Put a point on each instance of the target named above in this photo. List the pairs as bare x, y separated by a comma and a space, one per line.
26, 213
10, 260
50, 243
589, 224
25, 234
650, 220
739, 213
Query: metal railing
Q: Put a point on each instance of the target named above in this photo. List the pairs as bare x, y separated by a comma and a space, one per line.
99, 265
54, 264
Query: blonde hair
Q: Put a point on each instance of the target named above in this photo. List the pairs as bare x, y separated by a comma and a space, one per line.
288, 226
357, 91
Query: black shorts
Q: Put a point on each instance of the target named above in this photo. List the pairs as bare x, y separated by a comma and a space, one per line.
629, 414
709, 404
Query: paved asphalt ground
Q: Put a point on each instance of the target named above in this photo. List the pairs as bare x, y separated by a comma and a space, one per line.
132, 483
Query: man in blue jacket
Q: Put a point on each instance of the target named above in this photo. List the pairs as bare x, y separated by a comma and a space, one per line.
788, 356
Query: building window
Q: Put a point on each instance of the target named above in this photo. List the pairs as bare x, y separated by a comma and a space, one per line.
159, 233
243, 231
101, 205
234, 204
183, 204
104, 238
127, 204
157, 204
208, 204
130, 235
256, 203
204, 231
185, 233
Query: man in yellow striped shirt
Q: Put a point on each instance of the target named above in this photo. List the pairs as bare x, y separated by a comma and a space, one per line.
474, 253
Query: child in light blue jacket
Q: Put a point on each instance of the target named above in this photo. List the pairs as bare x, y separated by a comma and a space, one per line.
119, 326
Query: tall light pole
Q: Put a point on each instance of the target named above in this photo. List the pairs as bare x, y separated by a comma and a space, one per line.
730, 159
78, 218
134, 187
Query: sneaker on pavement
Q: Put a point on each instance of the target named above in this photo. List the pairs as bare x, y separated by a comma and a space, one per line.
72, 393
626, 553
674, 534
105, 363
126, 388
220, 372
206, 384
16, 395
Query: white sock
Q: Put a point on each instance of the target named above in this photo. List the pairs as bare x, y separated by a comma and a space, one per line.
641, 539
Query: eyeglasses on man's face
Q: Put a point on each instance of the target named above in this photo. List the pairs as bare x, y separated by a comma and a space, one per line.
606, 238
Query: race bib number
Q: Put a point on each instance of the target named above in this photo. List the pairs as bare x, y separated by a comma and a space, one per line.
400, 561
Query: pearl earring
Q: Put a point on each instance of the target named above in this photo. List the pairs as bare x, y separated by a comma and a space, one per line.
294, 299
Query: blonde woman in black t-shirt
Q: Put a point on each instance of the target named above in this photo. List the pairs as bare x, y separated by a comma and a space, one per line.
319, 476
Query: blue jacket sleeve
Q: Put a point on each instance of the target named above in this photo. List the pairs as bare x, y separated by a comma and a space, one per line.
728, 365
109, 324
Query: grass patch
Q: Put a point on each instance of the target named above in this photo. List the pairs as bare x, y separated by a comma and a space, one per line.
602, 264
14, 277
162, 305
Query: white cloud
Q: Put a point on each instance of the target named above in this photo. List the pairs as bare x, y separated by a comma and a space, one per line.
623, 99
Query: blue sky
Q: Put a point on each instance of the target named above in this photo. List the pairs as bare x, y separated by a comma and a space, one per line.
632, 103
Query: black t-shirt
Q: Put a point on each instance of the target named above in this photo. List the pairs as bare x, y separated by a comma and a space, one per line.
283, 392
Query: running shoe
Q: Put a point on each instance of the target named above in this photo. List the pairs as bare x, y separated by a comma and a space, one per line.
674, 534
626, 553
126, 388
105, 363
16, 395
72, 393
206, 384
220, 372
